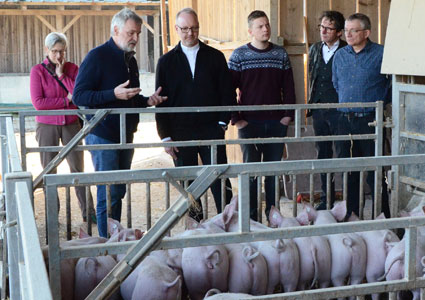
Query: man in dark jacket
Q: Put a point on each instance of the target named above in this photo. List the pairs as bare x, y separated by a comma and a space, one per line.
322, 90
109, 78
194, 74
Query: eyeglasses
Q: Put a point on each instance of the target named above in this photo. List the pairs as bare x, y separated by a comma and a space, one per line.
61, 52
352, 31
186, 29
321, 27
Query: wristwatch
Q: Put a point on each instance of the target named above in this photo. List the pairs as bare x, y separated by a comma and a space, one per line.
223, 125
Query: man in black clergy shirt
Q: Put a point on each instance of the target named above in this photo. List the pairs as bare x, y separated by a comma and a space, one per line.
194, 74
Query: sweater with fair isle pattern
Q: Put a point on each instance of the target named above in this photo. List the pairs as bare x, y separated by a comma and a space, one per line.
264, 77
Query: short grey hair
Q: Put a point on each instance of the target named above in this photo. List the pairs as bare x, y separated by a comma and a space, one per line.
187, 10
363, 19
53, 38
123, 16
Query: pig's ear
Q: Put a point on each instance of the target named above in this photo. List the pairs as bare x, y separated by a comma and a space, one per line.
191, 223
340, 210
303, 218
275, 217
83, 234
138, 234
403, 214
353, 217
380, 217
279, 245
310, 211
227, 214
213, 259
114, 226
234, 202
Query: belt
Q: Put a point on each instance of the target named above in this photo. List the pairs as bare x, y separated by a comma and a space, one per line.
357, 114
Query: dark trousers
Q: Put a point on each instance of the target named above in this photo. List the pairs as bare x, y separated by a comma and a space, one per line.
325, 122
52, 135
262, 152
359, 148
188, 156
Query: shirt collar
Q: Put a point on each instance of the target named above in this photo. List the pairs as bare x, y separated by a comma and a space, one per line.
333, 47
365, 49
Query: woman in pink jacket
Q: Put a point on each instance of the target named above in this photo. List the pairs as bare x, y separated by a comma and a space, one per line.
51, 86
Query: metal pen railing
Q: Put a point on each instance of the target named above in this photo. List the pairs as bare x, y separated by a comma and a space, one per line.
24, 261
242, 172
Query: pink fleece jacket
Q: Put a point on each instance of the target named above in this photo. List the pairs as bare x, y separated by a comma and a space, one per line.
47, 94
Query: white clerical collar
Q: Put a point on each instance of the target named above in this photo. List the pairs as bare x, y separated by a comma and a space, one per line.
191, 53
190, 49
328, 52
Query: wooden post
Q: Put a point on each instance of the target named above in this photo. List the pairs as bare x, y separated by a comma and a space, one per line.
156, 40
59, 19
164, 27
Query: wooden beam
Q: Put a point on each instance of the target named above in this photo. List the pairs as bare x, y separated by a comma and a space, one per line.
144, 4
148, 27
59, 19
75, 19
45, 22
156, 39
68, 12
164, 27
194, 5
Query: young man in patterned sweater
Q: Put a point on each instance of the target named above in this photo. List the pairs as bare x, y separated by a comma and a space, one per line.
262, 72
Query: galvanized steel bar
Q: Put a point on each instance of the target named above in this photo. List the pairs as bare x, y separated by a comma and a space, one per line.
33, 263
223, 193
128, 200
233, 237
148, 206
344, 186
123, 131
12, 232
276, 193
68, 212
328, 191
254, 169
361, 195
23, 144
410, 239
294, 195
89, 200
167, 195
213, 154
204, 201
243, 202
53, 237
108, 201
3, 139
379, 147
311, 188
259, 197
297, 123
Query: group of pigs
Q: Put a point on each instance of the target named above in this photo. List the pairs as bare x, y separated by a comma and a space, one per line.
256, 268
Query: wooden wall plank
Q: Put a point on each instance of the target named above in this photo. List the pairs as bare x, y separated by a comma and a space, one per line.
291, 12
314, 11
370, 8
385, 12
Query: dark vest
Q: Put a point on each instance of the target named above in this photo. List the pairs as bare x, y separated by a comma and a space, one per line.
324, 91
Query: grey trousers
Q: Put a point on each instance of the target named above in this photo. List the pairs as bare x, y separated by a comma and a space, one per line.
51, 135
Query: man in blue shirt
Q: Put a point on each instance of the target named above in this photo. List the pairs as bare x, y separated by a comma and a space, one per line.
356, 75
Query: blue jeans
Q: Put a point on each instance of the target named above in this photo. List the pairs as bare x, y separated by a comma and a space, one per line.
262, 152
325, 122
108, 160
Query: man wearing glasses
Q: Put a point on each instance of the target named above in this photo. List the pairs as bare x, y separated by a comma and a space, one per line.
357, 77
322, 90
194, 74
